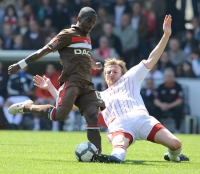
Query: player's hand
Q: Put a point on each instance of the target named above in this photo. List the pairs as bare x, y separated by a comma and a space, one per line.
12, 69
167, 25
97, 66
42, 82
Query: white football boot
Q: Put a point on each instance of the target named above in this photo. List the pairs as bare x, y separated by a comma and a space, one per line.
17, 108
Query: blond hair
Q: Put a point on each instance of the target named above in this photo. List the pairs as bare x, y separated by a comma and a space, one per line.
114, 61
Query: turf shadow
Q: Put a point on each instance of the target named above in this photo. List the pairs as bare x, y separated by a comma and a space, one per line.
141, 162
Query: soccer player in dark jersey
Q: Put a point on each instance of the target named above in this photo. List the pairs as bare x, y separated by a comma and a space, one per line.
74, 47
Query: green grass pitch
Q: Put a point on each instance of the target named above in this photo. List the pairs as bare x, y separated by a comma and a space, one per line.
26, 152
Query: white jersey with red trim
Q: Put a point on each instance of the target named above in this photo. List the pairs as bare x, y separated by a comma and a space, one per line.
124, 96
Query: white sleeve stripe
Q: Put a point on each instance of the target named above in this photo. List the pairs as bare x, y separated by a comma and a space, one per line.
122, 103
126, 90
116, 107
120, 106
130, 90
135, 102
80, 45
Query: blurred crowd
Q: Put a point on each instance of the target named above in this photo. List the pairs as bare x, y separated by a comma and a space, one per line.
125, 29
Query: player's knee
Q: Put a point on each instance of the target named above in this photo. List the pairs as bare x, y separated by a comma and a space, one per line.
119, 140
61, 113
90, 115
175, 144
92, 120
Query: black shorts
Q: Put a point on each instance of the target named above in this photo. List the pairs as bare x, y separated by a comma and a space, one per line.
80, 94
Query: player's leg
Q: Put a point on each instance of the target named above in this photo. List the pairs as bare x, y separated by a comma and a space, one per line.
65, 101
36, 118
174, 145
29, 107
120, 142
10, 116
66, 98
93, 129
166, 138
89, 108
157, 133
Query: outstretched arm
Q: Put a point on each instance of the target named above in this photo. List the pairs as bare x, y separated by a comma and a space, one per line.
158, 50
45, 83
31, 58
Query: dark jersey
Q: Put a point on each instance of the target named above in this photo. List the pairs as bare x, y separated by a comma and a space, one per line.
20, 84
74, 48
169, 94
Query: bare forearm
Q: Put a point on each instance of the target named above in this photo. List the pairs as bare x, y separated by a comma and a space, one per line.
53, 91
37, 55
157, 52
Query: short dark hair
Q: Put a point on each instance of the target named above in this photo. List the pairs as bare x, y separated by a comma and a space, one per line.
85, 10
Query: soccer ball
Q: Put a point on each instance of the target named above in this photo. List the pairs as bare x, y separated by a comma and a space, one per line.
85, 151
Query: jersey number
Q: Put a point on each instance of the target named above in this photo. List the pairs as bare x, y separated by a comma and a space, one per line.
99, 97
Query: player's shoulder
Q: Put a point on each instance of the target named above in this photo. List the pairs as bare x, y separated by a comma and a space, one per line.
140, 65
66, 34
71, 31
66, 31
136, 68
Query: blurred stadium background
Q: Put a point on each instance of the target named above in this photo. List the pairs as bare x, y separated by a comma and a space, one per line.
126, 29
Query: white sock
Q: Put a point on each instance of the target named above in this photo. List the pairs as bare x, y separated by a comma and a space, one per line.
173, 155
8, 116
17, 119
119, 152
